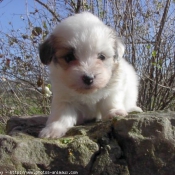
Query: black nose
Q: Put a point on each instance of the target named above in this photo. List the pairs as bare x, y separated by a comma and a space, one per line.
88, 80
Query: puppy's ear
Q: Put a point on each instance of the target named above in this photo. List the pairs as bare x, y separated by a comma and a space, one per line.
46, 51
120, 49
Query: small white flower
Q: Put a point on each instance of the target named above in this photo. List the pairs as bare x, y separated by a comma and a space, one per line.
47, 91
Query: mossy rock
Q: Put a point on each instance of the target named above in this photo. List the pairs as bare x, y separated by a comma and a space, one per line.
137, 144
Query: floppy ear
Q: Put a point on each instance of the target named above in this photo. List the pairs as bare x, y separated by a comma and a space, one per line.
120, 49
46, 51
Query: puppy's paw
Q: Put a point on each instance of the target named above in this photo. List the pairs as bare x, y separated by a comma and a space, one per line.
117, 112
52, 131
135, 109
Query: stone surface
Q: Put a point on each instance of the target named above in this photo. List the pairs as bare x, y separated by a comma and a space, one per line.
139, 144
148, 143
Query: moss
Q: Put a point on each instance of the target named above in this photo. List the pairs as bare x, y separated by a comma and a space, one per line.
66, 140
2, 128
81, 150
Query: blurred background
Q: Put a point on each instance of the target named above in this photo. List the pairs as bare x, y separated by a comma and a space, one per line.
147, 27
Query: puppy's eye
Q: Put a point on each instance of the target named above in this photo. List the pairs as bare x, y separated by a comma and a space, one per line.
69, 58
101, 57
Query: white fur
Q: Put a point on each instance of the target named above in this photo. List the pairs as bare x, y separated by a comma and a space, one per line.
114, 90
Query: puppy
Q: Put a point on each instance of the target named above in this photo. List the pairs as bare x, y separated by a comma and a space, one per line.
89, 77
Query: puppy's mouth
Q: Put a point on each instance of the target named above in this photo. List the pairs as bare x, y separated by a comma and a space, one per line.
85, 90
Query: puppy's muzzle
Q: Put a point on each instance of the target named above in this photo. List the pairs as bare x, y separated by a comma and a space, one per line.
87, 80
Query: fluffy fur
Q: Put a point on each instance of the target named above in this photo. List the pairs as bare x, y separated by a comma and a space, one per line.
89, 77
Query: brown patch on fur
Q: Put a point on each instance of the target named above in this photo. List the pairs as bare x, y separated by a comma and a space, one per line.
60, 55
61, 51
57, 42
65, 65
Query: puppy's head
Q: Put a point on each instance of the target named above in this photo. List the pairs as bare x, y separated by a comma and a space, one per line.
83, 51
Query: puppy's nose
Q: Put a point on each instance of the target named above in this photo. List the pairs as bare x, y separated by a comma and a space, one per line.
88, 80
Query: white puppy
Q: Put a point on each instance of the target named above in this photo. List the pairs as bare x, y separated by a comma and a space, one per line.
89, 77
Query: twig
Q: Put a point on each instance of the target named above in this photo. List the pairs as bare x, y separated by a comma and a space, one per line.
52, 12
173, 88
14, 92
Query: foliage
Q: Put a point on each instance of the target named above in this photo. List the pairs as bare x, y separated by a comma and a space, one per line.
147, 28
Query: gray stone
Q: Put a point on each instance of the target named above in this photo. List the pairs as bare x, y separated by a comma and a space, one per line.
139, 144
148, 143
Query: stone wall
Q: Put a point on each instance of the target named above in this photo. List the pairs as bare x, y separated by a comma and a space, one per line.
139, 144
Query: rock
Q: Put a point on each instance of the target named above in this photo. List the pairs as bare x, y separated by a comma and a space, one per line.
139, 144
148, 143
29, 125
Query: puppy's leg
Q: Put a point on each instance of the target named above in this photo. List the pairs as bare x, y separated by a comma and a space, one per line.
130, 100
112, 106
63, 116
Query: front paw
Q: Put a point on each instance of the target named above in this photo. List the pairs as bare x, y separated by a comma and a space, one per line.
135, 109
53, 131
117, 112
